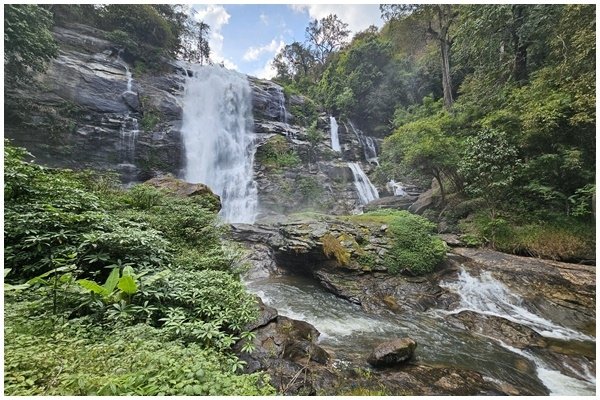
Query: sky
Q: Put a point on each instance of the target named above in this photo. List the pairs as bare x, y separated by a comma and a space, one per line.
247, 37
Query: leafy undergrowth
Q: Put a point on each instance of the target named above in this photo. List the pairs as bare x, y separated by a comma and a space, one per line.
46, 356
147, 292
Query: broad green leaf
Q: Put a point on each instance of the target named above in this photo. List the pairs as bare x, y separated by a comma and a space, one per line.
7, 271
128, 270
127, 285
93, 287
112, 280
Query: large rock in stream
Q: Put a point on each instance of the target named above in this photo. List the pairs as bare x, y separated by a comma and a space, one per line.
392, 352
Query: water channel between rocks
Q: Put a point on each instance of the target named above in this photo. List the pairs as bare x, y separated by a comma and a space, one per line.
351, 333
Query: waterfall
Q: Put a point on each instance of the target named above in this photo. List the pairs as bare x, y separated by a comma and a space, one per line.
366, 191
396, 188
129, 126
218, 137
367, 143
335, 141
282, 111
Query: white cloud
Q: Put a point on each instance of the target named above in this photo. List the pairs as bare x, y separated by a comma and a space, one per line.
216, 17
264, 19
268, 71
358, 17
253, 53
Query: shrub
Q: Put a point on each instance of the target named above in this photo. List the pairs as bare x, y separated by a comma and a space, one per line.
413, 245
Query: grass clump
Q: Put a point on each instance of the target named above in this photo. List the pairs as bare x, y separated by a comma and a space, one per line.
556, 237
333, 247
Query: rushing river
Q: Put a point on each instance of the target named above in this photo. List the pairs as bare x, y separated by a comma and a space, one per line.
351, 333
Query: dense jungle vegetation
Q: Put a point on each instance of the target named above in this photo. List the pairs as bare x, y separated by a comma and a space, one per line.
134, 292
107, 291
495, 103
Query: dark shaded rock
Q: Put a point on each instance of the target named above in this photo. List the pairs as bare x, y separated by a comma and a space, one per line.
132, 100
499, 328
266, 315
392, 352
451, 239
390, 202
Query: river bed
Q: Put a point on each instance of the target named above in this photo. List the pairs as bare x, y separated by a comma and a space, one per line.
351, 333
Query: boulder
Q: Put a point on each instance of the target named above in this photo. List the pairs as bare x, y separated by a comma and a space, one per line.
392, 352
266, 315
182, 188
424, 202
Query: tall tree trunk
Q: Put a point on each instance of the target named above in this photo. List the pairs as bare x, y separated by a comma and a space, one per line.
446, 78
519, 46
445, 17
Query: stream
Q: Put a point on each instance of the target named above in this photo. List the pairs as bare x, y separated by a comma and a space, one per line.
351, 333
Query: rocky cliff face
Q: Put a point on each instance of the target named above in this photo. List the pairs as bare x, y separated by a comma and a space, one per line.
82, 114
91, 109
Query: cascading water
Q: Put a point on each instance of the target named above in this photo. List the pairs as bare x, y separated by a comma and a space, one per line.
335, 141
351, 333
367, 143
218, 137
488, 296
396, 188
129, 126
366, 191
282, 111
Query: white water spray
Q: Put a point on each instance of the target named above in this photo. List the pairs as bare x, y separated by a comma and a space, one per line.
335, 141
218, 137
366, 191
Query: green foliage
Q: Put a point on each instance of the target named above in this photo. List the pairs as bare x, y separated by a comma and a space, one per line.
414, 247
78, 359
28, 42
276, 153
489, 165
150, 120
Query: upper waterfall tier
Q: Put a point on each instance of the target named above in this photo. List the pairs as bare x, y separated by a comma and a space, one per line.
218, 137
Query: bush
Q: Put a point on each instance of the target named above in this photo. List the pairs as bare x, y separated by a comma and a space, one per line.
414, 247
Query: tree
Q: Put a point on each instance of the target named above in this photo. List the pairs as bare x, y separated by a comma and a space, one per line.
293, 62
195, 46
443, 15
489, 165
325, 36
423, 146
28, 42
